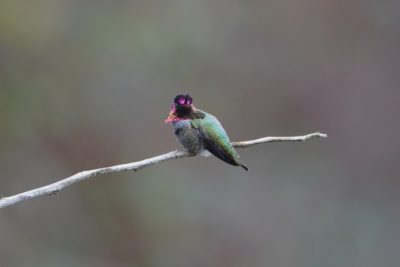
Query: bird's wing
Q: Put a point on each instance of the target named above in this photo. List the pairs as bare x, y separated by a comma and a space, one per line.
216, 140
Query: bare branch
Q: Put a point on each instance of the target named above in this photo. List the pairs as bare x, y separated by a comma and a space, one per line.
302, 138
134, 166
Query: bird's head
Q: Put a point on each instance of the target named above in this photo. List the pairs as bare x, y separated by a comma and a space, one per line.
181, 108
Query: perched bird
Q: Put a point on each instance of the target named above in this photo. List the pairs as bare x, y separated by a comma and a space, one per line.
199, 131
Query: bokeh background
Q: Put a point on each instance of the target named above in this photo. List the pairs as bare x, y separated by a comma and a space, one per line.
87, 84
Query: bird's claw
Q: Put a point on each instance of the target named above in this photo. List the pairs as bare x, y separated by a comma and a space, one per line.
54, 192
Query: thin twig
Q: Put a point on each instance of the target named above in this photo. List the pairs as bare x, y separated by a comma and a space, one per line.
270, 139
134, 166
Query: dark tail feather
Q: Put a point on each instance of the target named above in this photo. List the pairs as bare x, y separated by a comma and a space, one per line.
224, 156
244, 166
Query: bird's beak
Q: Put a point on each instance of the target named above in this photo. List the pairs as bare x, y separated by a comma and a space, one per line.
170, 117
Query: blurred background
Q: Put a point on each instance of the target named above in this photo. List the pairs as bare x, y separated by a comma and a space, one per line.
87, 84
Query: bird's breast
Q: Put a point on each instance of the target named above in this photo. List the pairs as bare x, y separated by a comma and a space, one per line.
189, 137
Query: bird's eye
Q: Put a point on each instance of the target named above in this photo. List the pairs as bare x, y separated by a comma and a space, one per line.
181, 101
189, 100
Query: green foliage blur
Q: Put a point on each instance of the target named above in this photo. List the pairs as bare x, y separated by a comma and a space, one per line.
87, 84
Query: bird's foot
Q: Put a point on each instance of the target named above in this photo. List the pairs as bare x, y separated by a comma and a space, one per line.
54, 192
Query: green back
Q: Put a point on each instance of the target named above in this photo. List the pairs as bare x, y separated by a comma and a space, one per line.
215, 133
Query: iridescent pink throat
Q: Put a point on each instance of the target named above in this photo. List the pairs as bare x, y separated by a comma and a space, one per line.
172, 117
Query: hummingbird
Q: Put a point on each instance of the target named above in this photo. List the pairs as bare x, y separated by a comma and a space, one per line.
200, 132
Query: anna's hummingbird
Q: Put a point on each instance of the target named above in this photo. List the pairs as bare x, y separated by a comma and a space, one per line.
199, 131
